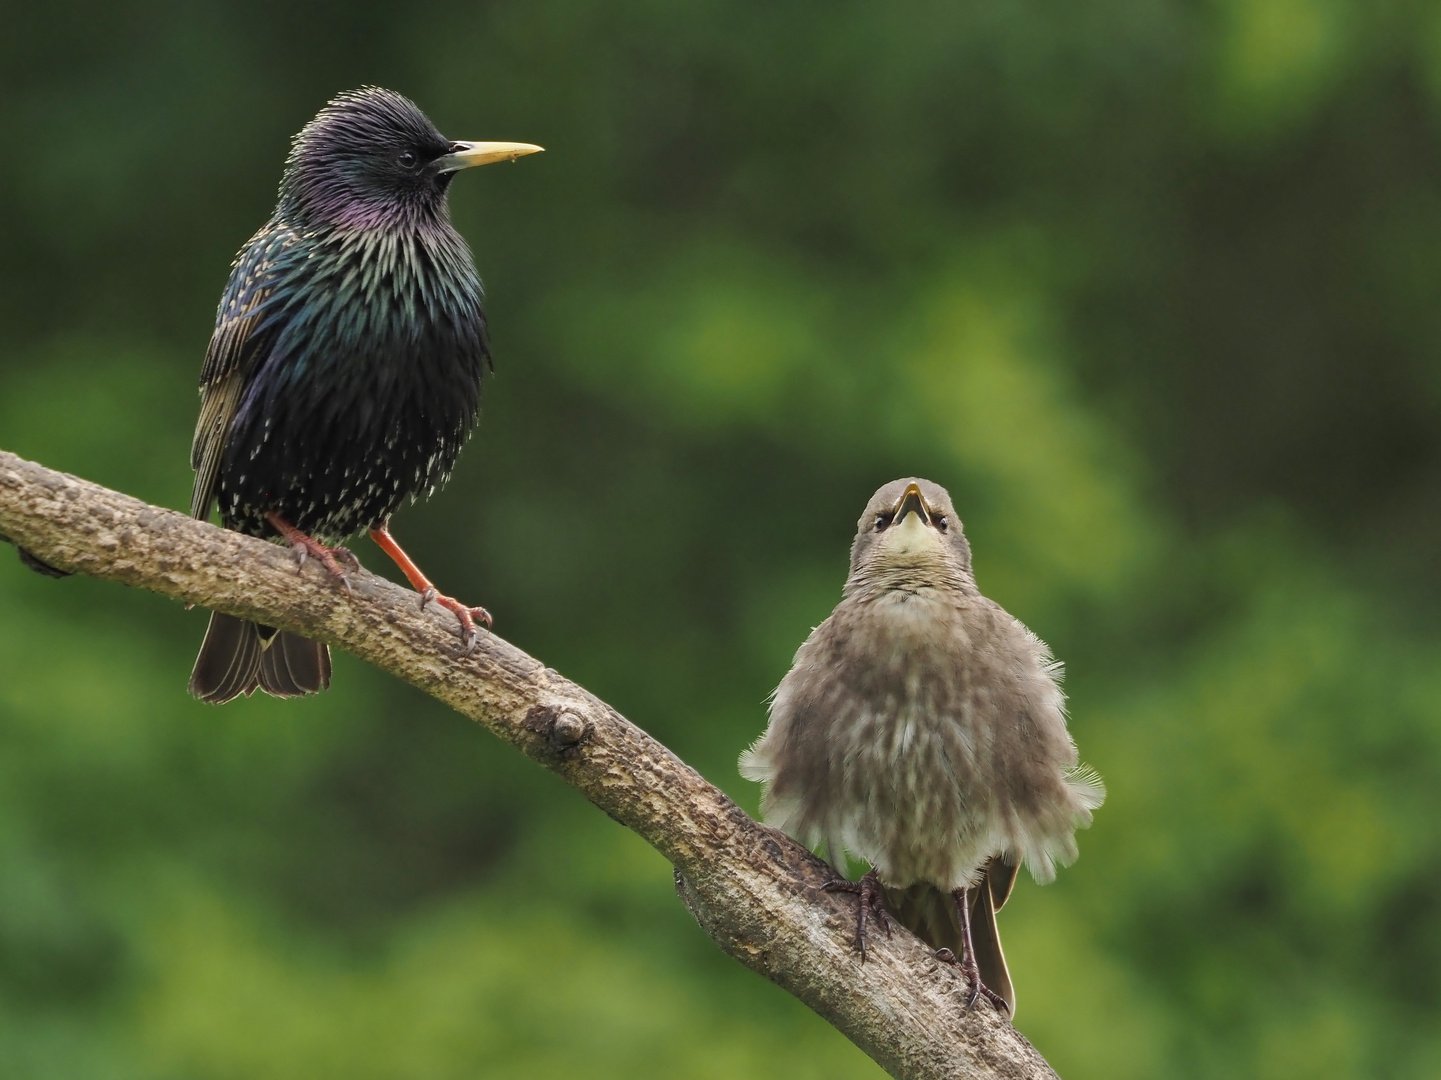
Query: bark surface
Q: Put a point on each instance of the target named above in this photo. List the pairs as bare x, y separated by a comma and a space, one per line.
753, 890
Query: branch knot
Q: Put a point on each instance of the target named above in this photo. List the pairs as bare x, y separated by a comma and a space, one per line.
565, 730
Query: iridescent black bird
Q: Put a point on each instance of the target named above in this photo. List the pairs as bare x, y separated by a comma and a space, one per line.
344, 372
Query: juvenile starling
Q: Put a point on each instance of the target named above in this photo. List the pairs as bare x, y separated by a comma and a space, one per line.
921, 728
344, 372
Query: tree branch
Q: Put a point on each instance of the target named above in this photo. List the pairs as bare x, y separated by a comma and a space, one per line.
753, 890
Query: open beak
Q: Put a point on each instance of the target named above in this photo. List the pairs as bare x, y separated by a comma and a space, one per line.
912, 502
465, 155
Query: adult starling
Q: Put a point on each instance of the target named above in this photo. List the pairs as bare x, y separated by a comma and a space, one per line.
921, 728
344, 372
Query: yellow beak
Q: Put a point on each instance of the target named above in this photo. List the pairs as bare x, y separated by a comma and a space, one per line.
466, 155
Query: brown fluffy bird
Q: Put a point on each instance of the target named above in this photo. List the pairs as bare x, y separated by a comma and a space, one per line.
922, 729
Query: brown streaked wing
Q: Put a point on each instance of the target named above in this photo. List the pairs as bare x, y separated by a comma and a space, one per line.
228, 360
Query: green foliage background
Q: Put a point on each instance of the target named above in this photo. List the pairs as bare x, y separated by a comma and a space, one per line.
1151, 286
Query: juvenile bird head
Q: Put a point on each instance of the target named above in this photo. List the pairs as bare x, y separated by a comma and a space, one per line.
372, 159
909, 537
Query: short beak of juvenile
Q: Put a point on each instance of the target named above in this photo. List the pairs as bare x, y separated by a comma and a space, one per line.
912, 502
465, 155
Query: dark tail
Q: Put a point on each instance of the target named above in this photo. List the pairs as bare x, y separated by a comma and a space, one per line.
240, 657
931, 915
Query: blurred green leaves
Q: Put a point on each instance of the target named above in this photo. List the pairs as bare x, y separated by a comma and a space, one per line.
986, 387
1148, 285
1277, 59
479, 987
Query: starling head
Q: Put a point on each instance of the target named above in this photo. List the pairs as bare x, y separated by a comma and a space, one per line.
908, 537
371, 158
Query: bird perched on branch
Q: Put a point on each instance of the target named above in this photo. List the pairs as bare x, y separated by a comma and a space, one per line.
344, 372
921, 728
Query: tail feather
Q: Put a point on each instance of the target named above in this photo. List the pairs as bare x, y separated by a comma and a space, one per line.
986, 942
931, 915
239, 657
229, 660
1000, 880
292, 666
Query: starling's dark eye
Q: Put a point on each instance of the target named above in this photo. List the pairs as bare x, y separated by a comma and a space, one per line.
941, 522
407, 160
882, 520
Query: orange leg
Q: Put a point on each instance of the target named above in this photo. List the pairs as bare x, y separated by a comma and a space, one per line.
304, 547
428, 592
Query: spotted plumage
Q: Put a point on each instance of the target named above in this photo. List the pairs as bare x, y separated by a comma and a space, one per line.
922, 729
344, 372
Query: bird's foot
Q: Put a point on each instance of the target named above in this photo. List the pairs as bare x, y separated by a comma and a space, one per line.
428, 592
467, 615
345, 555
972, 975
329, 557
870, 903
304, 548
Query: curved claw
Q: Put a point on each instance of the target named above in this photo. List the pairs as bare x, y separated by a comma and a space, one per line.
346, 556
972, 975
981, 990
303, 547
870, 903
466, 615
326, 558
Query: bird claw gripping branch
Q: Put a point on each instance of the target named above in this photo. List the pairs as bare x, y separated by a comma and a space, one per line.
467, 615
428, 592
304, 547
869, 902
972, 973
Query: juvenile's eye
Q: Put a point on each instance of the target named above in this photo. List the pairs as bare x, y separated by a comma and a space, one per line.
407, 160
941, 522
882, 520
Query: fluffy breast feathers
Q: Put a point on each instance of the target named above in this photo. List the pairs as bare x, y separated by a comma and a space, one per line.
924, 732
